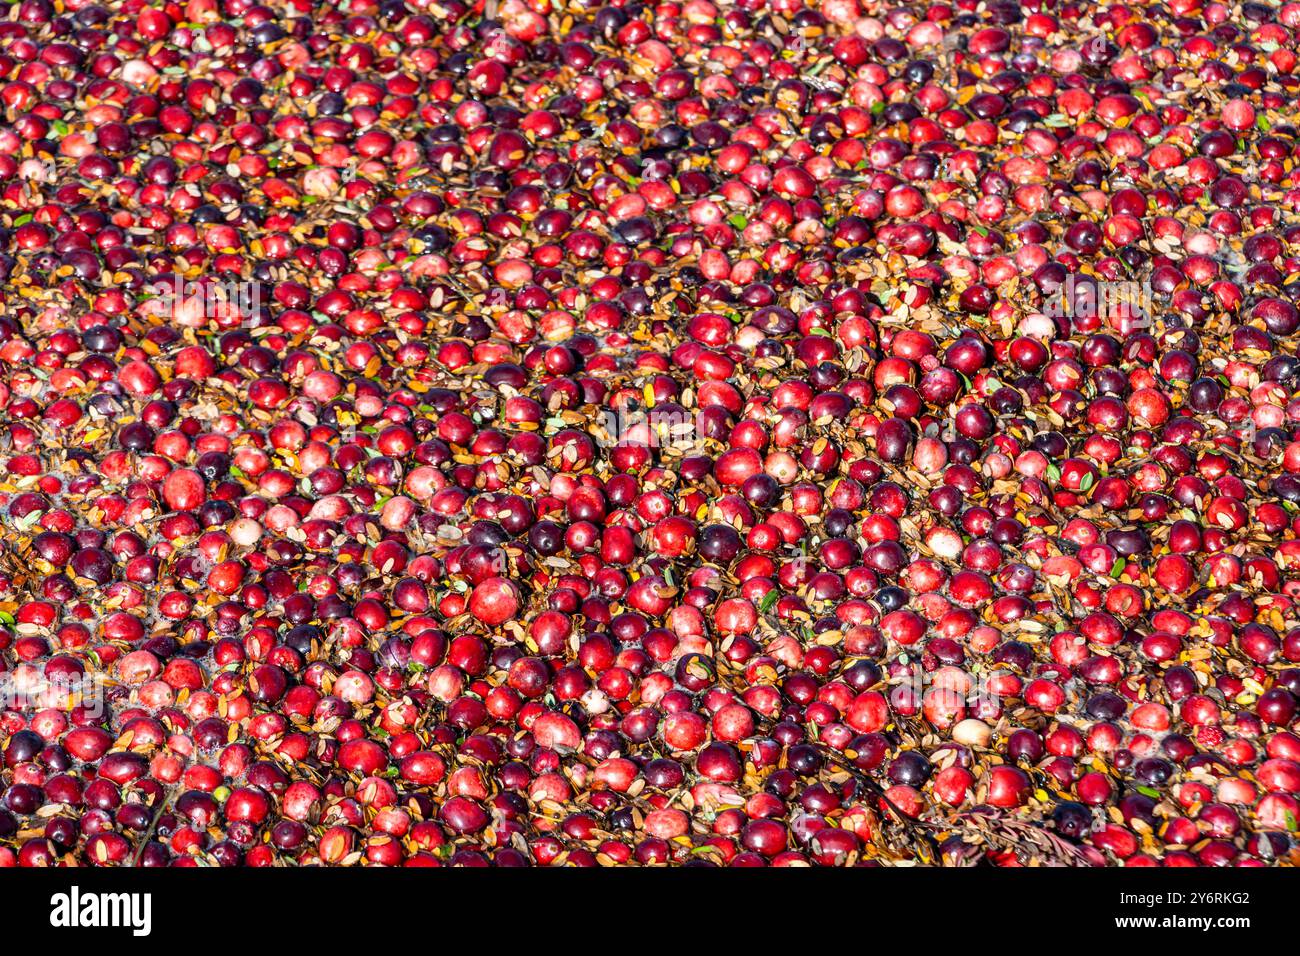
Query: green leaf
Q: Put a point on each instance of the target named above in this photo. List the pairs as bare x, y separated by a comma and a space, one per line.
738, 220
6, 618
1086, 482
770, 598
1118, 567
1053, 473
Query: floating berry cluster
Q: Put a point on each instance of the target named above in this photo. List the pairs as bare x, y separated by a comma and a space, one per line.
739, 433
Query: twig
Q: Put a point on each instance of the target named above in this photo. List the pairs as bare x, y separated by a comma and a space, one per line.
1015, 834
153, 824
